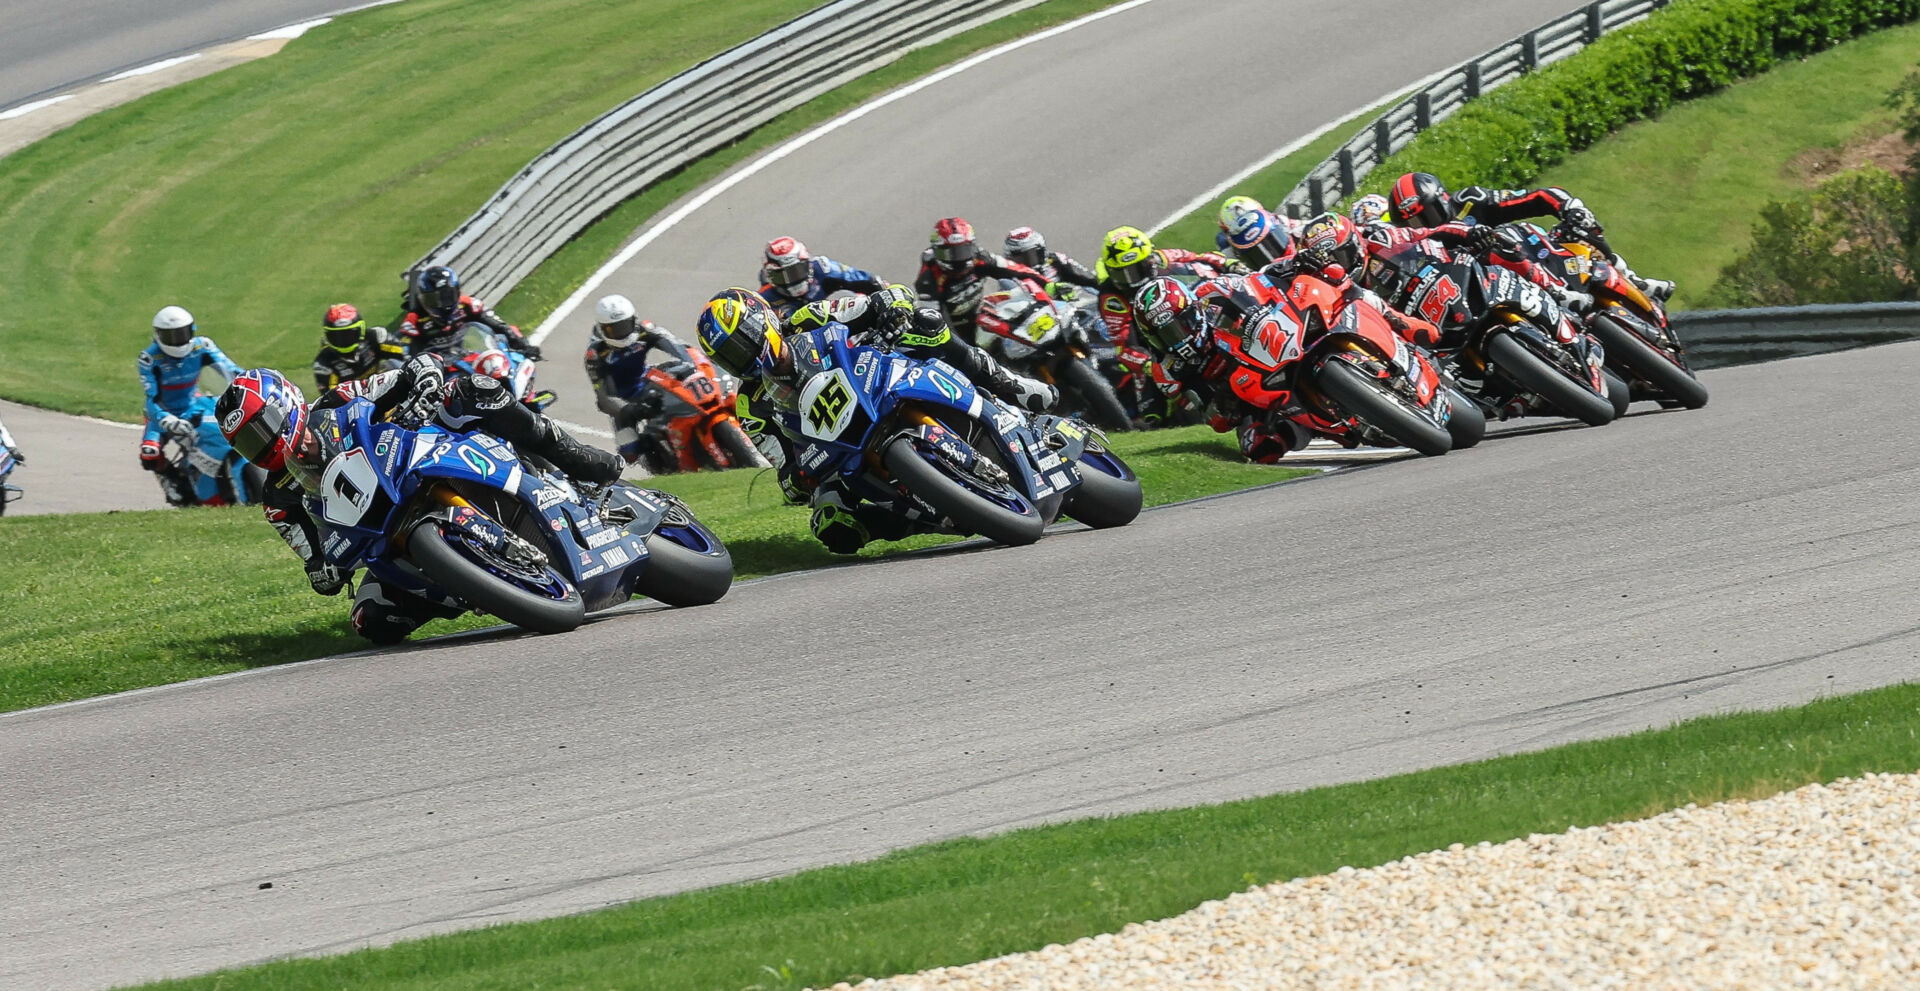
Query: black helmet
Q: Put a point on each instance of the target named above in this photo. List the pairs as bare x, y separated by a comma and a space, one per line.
1419, 200
436, 292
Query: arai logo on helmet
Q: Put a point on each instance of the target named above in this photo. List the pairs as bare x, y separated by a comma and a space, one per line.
232, 422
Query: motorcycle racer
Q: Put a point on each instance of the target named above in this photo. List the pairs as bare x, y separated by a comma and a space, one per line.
953, 272
1258, 238
1128, 261
269, 423
169, 371
6, 441
1027, 247
350, 350
438, 312
1420, 199
792, 278
1369, 210
616, 361
747, 340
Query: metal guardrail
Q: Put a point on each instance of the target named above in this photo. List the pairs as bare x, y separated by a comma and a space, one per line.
1339, 175
575, 182
1717, 338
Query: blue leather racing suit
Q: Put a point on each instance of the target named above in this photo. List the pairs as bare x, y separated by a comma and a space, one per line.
829, 277
172, 386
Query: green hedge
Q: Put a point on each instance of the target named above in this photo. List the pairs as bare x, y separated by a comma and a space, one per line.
1691, 47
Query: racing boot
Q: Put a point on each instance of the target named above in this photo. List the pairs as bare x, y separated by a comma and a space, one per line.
844, 529
1659, 289
483, 399
980, 369
581, 462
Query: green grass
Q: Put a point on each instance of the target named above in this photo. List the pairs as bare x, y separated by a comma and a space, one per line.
964, 900
258, 195
175, 594
1195, 231
1679, 195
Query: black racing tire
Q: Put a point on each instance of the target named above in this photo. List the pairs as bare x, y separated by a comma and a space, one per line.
467, 581
1353, 392
1468, 424
679, 575
1619, 393
739, 450
1103, 499
1103, 407
1535, 374
969, 510
1632, 351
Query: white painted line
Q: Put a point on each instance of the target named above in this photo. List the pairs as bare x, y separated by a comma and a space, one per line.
673, 219
1289, 148
110, 423
289, 32
581, 428
166, 63
27, 108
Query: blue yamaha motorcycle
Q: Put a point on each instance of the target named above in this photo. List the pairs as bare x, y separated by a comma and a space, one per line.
918, 436
464, 521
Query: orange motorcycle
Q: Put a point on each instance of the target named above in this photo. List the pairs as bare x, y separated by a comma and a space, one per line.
697, 426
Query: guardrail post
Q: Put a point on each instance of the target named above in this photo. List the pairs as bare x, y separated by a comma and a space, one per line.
1316, 196
1596, 22
1382, 139
1472, 86
1422, 111
1347, 182
1530, 51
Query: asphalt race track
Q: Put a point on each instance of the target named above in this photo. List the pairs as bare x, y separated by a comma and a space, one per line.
47, 46
1552, 584
1118, 122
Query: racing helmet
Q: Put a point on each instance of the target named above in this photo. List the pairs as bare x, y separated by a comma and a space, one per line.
1234, 207
1026, 246
436, 292
741, 338
1228, 301
173, 330
1331, 238
1368, 209
1259, 238
953, 245
615, 321
1127, 257
1419, 200
1164, 314
343, 327
263, 416
788, 267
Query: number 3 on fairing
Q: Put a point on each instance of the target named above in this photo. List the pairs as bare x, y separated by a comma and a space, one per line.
829, 405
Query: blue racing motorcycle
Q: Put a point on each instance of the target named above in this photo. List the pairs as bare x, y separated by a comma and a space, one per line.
917, 435
463, 521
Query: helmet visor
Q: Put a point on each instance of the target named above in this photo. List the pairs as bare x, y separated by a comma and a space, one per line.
1031, 257
794, 274
621, 332
346, 338
741, 350
439, 301
175, 337
1132, 277
258, 439
954, 255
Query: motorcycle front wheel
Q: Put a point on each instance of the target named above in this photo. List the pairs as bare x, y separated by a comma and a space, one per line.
686, 566
486, 587
1010, 519
739, 450
1367, 398
1109, 492
1468, 424
1643, 359
1535, 374
1103, 406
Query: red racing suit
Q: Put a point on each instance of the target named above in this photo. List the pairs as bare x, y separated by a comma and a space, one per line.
1453, 236
423, 333
1116, 304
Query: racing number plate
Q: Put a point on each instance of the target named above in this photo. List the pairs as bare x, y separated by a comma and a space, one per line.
348, 488
826, 405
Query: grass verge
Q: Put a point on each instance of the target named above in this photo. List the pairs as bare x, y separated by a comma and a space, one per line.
971, 899
258, 195
176, 594
1679, 194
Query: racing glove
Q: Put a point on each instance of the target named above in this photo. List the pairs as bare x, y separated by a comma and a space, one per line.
327, 579
176, 426
531, 351
150, 457
641, 408
18, 458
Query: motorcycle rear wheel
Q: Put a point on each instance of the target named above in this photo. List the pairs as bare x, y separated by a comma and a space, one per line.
1468, 424
1109, 492
739, 450
1366, 399
1660, 371
1534, 374
470, 582
969, 510
1103, 407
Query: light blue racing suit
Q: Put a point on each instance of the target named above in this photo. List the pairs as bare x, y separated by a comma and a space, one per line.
172, 386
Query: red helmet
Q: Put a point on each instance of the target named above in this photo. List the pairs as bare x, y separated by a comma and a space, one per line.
343, 326
1333, 239
263, 416
788, 268
953, 245
1419, 200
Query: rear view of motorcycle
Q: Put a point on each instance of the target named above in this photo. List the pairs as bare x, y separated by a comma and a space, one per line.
696, 426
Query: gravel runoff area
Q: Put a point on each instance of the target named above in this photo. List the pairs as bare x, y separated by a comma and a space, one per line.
1812, 888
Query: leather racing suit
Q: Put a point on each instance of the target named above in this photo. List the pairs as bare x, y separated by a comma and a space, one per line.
378, 351
959, 291
423, 333
829, 277
620, 386
175, 404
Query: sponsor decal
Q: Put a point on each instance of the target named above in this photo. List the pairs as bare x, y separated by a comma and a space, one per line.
548, 497
616, 556
477, 461
557, 525
1006, 421
947, 388
232, 422
602, 538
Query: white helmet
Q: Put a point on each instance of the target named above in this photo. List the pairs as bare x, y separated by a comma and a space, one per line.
173, 330
614, 319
